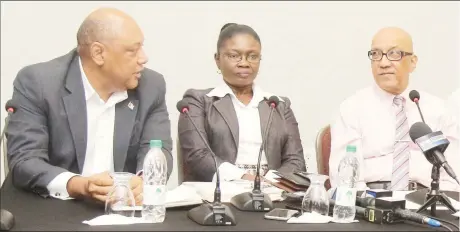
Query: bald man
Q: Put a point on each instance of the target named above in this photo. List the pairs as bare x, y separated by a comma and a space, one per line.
88, 113
377, 120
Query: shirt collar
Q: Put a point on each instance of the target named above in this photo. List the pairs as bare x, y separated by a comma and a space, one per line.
387, 98
223, 89
90, 92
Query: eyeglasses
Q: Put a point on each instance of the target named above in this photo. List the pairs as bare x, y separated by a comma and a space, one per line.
392, 55
252, 58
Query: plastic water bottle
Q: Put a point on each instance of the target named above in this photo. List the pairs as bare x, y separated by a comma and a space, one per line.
155, 177
345, 200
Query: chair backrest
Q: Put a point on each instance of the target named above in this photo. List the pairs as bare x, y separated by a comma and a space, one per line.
323, 150
180, 163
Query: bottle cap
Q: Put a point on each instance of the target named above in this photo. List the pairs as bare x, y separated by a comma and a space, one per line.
351, 148
156, 143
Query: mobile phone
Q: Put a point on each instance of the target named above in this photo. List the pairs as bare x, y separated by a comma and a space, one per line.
281, 214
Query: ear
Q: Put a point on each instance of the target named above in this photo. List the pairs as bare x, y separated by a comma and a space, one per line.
413, 63
97, 52
217, 59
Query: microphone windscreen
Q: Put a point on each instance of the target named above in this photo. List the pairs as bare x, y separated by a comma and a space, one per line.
10, 104
273, 100
414, 94
418, 130
181, 105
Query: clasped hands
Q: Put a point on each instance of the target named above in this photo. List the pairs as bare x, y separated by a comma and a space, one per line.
98, 186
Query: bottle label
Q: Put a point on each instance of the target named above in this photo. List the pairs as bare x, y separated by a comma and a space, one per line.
154, 195
345, 196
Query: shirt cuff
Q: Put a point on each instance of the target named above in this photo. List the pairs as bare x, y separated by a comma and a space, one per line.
270, 176
57, 188
229, 172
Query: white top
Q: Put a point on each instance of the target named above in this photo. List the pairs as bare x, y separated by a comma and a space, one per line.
100, 131
454, 103
250, 135
366, 120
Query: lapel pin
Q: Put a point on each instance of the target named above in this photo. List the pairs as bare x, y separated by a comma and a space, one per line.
130, 105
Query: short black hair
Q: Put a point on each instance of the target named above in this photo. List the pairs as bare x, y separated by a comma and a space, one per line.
231, 29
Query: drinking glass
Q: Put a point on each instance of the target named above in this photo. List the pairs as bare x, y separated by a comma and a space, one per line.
121, 199
316, 198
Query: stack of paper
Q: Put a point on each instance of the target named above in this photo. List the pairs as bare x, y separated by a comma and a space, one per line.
314, 217
181, 196
229, 189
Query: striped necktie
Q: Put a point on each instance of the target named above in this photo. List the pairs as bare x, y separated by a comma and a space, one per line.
400, 174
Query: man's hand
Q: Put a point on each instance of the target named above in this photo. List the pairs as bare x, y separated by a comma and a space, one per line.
137, 185
96, 186
248, 177
99, 186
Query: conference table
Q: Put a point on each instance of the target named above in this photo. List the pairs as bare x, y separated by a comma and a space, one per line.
33, 212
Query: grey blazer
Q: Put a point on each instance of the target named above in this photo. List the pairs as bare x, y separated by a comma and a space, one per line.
216, 118
47, 134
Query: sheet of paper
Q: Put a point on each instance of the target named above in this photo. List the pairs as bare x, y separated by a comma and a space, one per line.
230, 189
113, 219
313, 218
182, 195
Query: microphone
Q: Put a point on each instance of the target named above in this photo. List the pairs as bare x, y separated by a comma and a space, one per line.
414, 96
215, 213
10, 108
257, 200
433, 145
391, 214
415, 217
6, 218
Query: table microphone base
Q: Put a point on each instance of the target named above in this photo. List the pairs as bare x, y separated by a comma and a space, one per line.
210, 214
250, 201
6, 219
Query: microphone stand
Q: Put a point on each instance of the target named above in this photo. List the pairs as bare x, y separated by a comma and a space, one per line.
420, 112
215, 213
433, 145
435, 195
256, 200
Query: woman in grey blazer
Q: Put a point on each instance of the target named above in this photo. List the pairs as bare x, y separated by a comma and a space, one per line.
233, 116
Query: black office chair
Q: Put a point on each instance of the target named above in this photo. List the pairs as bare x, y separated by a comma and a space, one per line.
5, 158
180, 163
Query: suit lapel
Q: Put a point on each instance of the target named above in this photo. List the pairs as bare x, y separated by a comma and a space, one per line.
225, 107
125, 117
75, 106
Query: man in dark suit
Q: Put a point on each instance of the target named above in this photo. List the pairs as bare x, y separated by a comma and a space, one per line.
88, 113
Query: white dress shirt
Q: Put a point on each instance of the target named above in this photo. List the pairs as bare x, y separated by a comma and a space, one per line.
454, 103
100, 131
250, 135
367, 121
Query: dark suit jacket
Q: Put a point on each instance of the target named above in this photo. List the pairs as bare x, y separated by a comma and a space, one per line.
47, 134
216, 119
